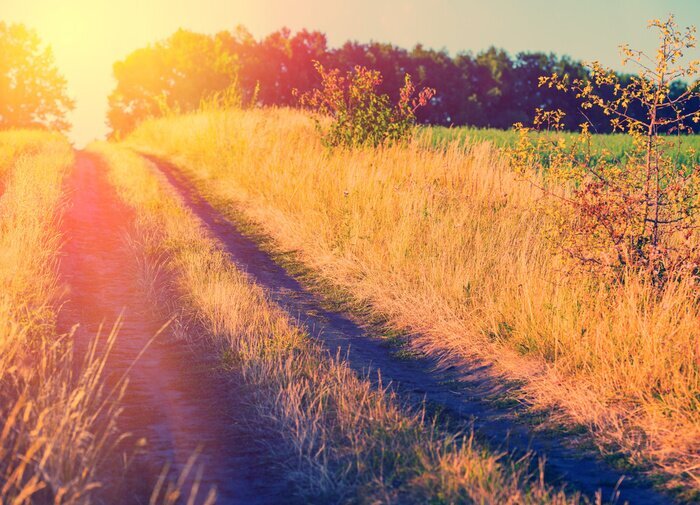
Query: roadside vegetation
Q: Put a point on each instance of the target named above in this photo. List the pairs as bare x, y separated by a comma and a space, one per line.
14, 143
359, 114
449, 245
636, 217
478, 251
341, 438
56, 419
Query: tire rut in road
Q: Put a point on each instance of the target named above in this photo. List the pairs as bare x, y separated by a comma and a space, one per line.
173, 397
459, 390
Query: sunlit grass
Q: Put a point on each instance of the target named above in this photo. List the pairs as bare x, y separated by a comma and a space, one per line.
56, 419
337, 438
15, 142
449, 244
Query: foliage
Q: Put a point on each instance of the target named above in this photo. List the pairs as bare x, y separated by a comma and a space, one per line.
359, 114
641, 213
449, 245
174, 75
32, 92
488, 89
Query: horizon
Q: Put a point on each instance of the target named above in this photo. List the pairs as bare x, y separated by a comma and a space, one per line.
455, 27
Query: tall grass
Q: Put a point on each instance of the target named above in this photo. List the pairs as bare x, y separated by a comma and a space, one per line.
56, 423
449, 244
338, 438
15, 142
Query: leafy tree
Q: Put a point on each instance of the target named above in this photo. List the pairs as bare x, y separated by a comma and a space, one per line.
244, 49
176, 74
32, 92
436, 70
528, 69
272, 67
494, 80
306, 49
286, 63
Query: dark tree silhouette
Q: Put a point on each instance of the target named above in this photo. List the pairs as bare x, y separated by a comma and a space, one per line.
487, 89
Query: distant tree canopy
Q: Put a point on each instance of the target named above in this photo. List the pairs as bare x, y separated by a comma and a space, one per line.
487, 89
32, 92
175, 74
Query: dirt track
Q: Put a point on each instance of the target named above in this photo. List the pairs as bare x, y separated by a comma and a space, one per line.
173, 399
176, 401
459, 390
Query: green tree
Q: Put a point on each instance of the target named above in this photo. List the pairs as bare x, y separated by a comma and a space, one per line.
32, 91
173, 75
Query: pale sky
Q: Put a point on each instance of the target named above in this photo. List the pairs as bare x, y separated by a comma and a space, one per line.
88, 36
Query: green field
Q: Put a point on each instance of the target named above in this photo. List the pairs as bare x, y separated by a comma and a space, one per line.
615, 145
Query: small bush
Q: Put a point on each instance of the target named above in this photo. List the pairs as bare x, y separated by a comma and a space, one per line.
640, 214
360, 115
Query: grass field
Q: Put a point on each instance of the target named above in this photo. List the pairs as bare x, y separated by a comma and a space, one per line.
339, 438
56, 428
448, 245
611, 147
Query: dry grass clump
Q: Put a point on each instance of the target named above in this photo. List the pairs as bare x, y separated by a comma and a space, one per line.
338, 438
449, 244
15, 142
56, 420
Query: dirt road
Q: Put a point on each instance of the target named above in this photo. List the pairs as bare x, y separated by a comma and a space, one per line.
173, 398
458, 391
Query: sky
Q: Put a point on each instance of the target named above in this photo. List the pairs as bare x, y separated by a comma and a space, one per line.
87, 37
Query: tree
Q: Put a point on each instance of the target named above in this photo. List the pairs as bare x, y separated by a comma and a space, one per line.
494, 80
436, 70
32, 91
242, 45
529, 68
176, 74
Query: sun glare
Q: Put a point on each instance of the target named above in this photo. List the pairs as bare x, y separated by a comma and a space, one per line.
87, 37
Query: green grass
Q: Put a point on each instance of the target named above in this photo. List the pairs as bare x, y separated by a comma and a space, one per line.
616, 144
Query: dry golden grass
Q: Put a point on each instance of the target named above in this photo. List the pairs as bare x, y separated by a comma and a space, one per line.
56, 418
15, 142
449, 244
339, 439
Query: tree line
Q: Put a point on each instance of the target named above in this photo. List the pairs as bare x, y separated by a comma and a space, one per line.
490, 88
487, 89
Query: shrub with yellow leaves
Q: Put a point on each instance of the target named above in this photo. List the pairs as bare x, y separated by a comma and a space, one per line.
640, 215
